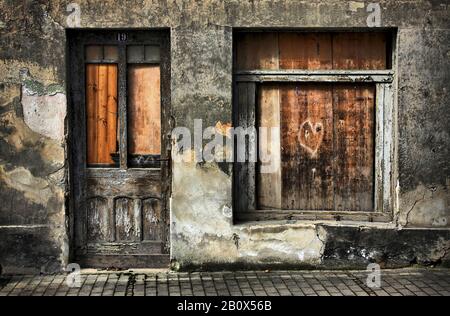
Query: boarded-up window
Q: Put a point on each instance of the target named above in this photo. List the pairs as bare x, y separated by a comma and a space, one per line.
140, 116
144, 111
144, 106
326, 147
101, 112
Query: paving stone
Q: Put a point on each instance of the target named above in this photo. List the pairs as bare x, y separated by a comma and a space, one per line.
406, 282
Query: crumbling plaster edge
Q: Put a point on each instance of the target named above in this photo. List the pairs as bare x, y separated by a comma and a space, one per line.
314, 224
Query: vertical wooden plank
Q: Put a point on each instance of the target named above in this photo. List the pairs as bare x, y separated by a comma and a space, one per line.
144, 110
166, 127
102, 128
379, 143
268, 185
151, 217
305, 50
245, 171
307, 147
359, 50
111, 219
354, 147
77, 103
388, 153
112, 110
91, 113
122, 108
137, 219
256, 50
251, 146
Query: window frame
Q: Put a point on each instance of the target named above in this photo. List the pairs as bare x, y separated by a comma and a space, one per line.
244, 181
114, 38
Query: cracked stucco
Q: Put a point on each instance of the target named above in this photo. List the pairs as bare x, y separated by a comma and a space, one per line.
198, 222
426, 207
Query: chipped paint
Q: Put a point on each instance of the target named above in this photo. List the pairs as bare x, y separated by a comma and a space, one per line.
45, 114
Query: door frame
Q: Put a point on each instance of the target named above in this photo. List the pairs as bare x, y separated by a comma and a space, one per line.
76, 122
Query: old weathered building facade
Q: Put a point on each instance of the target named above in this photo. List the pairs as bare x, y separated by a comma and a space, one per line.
63, 62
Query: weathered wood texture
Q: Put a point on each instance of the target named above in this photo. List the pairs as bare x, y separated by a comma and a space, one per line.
307, 147
312, 51
257, 51
360, 51
144, 109
268, 184
326, 144
245, 170
101, 111
327, 149
124, 219
305, 50
121, 213
354, 128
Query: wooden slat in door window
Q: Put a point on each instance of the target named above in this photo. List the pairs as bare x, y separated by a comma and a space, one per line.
101, 112
307, 147
144, 109
354, 146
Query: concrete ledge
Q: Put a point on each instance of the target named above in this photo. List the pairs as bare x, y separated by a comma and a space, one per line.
350, 245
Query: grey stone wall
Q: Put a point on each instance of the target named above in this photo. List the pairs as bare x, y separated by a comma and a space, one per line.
34, 225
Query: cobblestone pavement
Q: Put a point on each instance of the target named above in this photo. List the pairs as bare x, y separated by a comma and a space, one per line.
403, 282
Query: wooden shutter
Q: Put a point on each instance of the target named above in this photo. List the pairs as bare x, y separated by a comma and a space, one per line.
327, 147
327, 136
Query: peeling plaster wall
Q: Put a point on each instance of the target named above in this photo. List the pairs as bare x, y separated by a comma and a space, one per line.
33, 170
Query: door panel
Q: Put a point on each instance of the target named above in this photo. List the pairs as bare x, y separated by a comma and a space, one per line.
116, 182
151, 217
128, 219
120, 152
98, 219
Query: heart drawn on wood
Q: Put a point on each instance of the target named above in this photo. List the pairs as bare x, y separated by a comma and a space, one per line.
310, 136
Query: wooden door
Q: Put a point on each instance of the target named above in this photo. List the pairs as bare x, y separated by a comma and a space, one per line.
323, 159
120, 101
